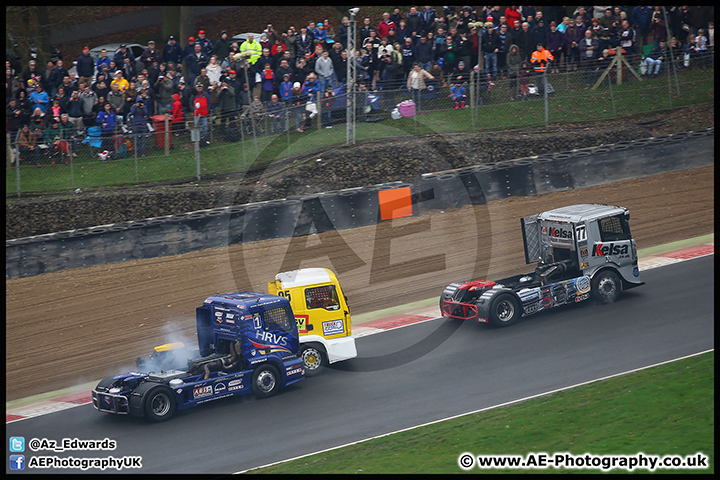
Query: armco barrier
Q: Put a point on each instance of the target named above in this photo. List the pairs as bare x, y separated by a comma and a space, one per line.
355, 207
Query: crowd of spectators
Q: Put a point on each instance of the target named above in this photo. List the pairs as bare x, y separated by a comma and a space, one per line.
278, 73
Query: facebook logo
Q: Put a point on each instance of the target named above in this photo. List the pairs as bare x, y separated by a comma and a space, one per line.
17, 444
17, 462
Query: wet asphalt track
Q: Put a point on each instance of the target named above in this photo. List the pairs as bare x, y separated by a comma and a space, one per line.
410, 376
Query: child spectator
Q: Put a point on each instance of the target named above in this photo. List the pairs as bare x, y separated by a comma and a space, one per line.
524, 78
285, 89
457, 94
268, 83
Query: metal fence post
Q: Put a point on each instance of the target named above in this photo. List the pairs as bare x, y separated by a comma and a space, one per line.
545, 92
195, 137
135, 153
473, 81
167, 134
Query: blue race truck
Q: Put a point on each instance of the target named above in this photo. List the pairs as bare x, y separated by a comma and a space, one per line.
247, 343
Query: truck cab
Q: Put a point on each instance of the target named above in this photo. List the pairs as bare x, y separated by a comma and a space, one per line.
585, 238
322, 315
581, 251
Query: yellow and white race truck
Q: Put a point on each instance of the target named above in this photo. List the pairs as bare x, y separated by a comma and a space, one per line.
322, 315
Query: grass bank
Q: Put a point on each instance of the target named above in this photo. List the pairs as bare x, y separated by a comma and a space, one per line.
664, 410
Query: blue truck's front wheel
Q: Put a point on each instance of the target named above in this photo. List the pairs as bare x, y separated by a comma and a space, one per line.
160, 404
266, 381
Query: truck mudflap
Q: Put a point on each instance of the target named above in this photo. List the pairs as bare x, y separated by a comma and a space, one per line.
339, 349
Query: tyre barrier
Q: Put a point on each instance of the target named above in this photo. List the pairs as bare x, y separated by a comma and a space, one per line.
355, 207
271, 219
313, 216
447, 191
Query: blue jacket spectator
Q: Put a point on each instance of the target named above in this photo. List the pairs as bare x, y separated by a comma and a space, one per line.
172, 52
40, 99
107, 120
102, 61
189, 48
311, 87
640, 18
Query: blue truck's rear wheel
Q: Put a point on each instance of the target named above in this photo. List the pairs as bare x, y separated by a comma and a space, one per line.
265, 381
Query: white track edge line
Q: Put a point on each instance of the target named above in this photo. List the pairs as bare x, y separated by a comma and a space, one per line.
504, 404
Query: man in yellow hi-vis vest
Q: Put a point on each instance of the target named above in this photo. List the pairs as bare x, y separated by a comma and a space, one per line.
253, 46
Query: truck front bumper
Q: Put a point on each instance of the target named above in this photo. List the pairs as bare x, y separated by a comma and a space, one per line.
110, 403
461, 311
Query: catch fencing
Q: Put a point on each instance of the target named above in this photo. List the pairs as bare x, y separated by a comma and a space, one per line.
233, 142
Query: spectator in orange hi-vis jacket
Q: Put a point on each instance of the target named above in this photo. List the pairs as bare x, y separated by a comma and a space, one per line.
539, 60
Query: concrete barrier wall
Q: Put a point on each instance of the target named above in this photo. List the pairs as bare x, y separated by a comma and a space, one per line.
354, 207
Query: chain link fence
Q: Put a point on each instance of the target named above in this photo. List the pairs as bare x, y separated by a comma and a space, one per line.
230, 142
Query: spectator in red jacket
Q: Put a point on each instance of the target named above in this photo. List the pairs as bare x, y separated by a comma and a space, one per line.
178, 117
512, 14
385, 25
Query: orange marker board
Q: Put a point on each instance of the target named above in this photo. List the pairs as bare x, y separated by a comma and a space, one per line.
396, 203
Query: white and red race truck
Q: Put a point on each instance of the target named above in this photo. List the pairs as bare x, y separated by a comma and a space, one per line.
582, 251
